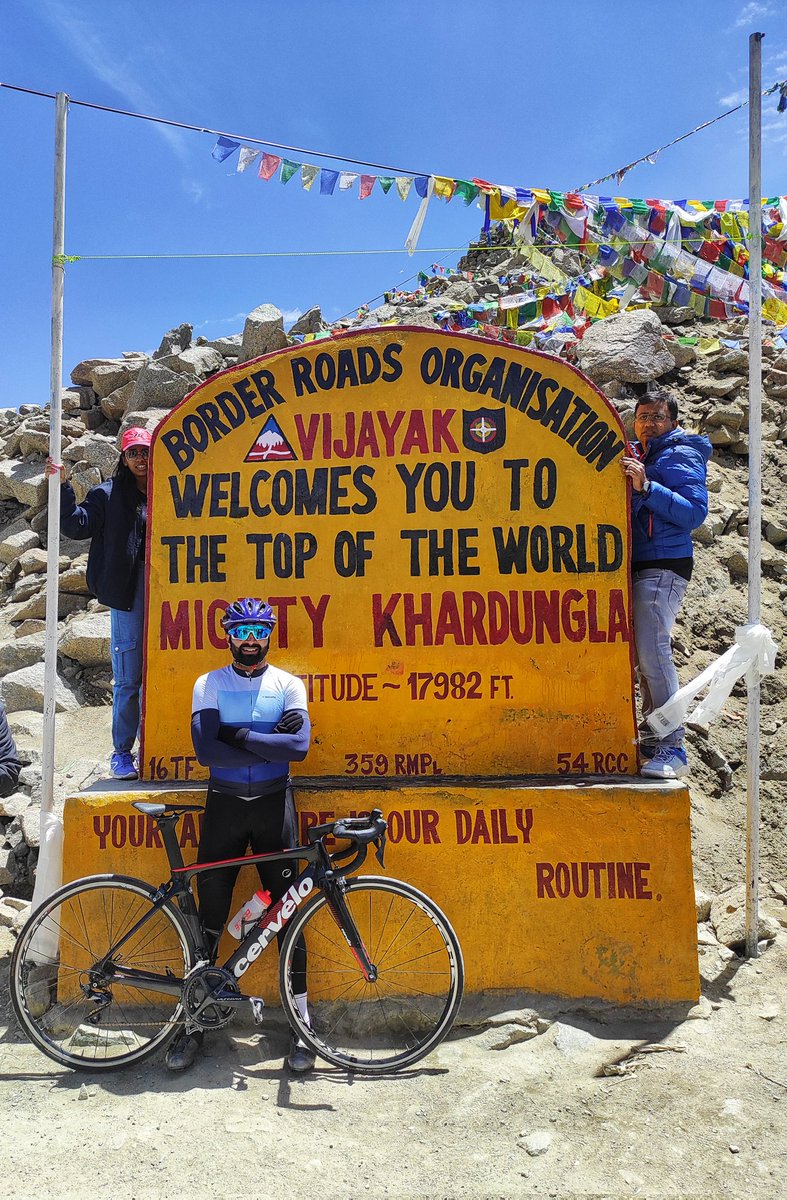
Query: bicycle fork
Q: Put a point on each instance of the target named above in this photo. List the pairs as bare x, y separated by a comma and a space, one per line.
335, 887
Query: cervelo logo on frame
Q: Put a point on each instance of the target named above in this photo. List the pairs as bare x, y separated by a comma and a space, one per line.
278, 918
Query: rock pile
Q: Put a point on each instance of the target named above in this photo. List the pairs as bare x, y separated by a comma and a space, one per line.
622, 354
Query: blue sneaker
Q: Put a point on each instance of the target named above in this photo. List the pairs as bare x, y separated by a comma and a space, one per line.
669, 762
121, 764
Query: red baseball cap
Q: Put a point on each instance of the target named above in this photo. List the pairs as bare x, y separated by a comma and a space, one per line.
135, 436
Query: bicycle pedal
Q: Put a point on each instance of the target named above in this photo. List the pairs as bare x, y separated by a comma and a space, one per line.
257, 1006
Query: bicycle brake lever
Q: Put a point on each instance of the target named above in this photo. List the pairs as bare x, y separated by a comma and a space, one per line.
380, 851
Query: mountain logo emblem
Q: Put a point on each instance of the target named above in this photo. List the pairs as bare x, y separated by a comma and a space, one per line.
270, 445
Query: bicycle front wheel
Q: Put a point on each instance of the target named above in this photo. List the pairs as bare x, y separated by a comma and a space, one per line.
399, 1018
66, 988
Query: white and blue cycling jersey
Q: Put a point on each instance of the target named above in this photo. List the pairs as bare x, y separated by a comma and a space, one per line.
227, 701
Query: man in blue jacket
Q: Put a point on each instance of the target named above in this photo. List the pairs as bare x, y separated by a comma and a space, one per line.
669, 499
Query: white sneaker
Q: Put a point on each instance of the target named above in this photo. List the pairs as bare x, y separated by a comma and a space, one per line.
669, 762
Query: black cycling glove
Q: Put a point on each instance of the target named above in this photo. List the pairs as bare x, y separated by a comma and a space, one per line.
290, 722
232, 737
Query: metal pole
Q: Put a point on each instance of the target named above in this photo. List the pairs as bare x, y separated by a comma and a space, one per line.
53, 512
755, 493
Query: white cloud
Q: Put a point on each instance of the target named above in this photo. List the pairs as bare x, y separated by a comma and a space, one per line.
750, 11
109, 63
734, 98
193, 189
291, 315
233, 320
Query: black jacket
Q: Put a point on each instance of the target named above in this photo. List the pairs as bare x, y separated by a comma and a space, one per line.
10, 766
114, 515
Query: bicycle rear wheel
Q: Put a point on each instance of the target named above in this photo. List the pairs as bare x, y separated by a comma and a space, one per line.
62, 986
400, 1017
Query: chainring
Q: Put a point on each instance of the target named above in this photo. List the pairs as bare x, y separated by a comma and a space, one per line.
203, 993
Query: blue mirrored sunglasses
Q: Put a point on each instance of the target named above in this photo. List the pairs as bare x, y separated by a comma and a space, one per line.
259, 631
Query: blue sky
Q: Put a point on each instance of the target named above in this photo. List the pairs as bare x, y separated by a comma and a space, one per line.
523, 94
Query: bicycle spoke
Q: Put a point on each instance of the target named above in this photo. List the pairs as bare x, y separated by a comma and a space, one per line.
382, 1024
71, 1009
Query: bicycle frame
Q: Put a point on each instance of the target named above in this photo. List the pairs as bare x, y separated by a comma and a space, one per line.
318, 874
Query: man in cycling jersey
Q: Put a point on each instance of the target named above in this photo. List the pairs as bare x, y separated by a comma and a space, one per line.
249, 720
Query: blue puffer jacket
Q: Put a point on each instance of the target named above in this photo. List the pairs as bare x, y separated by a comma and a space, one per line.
662, 521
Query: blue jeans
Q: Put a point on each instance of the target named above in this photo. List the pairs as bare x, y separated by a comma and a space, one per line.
657, 596
126, 652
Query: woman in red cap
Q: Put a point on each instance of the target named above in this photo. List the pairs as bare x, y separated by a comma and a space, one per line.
114, 516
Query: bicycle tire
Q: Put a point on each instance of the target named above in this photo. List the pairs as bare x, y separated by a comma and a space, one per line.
394, 1022
71, 931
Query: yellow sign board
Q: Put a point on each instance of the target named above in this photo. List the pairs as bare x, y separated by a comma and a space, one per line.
546, 891
441, 526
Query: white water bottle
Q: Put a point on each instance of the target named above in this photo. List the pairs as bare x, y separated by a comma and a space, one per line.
248, 913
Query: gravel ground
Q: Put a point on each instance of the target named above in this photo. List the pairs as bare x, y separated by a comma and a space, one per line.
603, 1103
600, 1104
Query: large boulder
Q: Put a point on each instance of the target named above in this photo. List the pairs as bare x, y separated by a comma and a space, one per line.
114, 405
23, 481
82, 373
683, 355
460, 292
729, 362
775, 384
627, 346
228, 347
25, 689
263, 332
34, 441
174, 340
15, 539
196, 360
680, 315
69, 400
21, 652
74, 578
158, 386
107, 378
35, 607
87, 639
309, 322
728, 918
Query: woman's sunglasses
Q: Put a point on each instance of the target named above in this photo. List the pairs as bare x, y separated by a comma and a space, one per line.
137, 452
241, 632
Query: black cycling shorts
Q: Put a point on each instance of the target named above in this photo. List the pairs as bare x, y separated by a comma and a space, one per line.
230, 826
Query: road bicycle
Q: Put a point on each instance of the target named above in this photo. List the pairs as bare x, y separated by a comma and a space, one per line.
109, 969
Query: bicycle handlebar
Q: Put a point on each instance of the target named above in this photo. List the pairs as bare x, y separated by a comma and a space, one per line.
360, 831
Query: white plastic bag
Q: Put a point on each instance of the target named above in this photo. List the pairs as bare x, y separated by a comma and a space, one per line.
754, 647
49, 876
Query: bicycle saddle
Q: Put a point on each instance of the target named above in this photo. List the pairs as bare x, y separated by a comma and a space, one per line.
158, 810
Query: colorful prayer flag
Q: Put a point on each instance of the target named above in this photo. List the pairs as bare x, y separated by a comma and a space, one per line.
328, 181
269, 165
246, 157
308, 175
443, 187
224, 148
